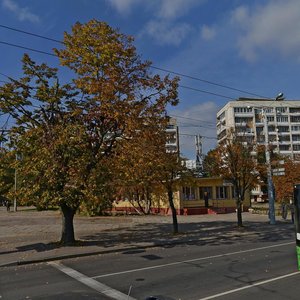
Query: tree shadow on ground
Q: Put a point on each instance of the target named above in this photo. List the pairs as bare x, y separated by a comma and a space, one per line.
160, 234
202, 233
38, 247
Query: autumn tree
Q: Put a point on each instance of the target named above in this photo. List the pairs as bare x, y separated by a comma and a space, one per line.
284, 185
233, 161
68, 132
149, 169
7, 173
173, 175
135, 165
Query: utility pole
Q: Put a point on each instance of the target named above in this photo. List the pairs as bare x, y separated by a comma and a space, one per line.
269, 172
199, 164
15, 187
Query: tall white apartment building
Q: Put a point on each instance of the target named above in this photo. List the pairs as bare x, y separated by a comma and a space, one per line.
172, 144
246, 117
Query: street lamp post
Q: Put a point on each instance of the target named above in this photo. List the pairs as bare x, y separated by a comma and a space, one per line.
270, 184
15, 188
269, 172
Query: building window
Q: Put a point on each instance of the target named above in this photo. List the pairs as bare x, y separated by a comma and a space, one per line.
285, 138
271, 128
243, 121
281, 109
205, 189
221, 192
269, 110
234, 192
294, 110
283, 128
244, 130
242, 109
296, 137
296, 147
259, 130
295, 128
282, 119
295, 119
188, 193
284, 147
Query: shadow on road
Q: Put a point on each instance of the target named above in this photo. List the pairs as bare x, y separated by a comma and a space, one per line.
160, 234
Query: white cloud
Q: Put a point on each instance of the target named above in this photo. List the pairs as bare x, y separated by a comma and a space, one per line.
208, 33
163, 13
163, 9
123, 6
166, 33
172, 9
22, 13
275, 26
240, 14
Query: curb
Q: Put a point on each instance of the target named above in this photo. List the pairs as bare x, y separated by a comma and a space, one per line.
86, 254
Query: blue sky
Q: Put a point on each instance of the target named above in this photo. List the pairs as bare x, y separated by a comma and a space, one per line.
253, 46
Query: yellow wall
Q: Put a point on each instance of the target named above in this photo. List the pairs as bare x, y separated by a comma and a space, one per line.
212, 182
161, 203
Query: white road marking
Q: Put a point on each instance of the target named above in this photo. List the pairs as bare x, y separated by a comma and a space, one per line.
192, 260
250, 286
92, 283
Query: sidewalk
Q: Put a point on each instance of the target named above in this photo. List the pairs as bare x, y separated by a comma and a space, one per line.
29, 236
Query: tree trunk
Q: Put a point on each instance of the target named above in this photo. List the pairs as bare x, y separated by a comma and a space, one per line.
67, 234
174, 213
239, 213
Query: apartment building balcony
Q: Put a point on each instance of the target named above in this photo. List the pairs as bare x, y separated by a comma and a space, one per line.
284, 133
171, 130
243, 114
241, 124
221, 131
294, 110
221, 121
245, 133
171, 145
259, 123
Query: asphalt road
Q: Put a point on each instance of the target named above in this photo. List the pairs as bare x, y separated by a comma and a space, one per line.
243, 269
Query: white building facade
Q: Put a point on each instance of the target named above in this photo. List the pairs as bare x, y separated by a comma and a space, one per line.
172, 143
246, 117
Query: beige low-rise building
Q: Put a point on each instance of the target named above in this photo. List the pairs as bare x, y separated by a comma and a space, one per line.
205, 196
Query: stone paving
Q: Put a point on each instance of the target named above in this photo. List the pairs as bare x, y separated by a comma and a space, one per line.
29, 236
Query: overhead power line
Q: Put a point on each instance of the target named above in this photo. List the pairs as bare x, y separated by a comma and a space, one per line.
26, 48
51, 54
208, 82
203, 136
153, 67
193, 119
30, 33
206, 92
